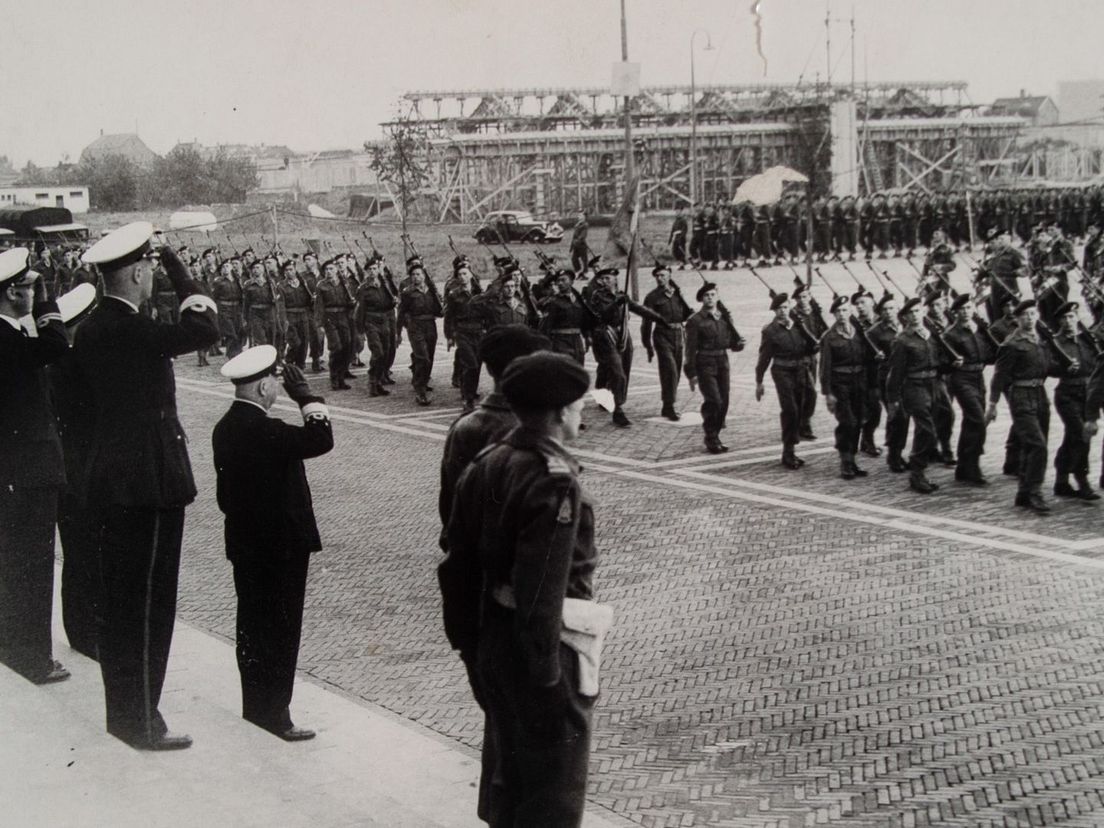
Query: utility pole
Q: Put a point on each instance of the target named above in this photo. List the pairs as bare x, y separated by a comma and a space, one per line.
630, 163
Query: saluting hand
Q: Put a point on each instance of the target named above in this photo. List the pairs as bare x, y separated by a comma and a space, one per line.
173, 266
40, 294
295, 384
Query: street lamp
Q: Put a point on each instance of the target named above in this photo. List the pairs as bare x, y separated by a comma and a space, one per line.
694, 117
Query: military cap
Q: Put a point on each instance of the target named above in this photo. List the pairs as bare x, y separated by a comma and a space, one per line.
251, 364
508, 342
799, 289
886, 298
660, 268
704, 289
960, 301
210, 250
1008, 299
992, 233
778, 300
122, 247
1066, 307
608, 271
544, 381
310, 253
288, 265
914, 302
413, 260
234, 258
859, 294
248, 250
512, 268
15, 268
931, 298
502, 261
458, 260
1026, 304
270, 256
260, 263
74, 304
838, 301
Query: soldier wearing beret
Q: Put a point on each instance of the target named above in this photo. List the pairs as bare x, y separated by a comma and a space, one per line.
911, 385
1023, 364
969, 350
31, 471
882, 335
334, 304
419, 308
138, 478
259, 306
375, 318
936, 321
227, 294
518, 574
666, 341
710, 335
806, 311
311, 278
864, 320
270, 528
1070, 399
566, 319
298, 304
784, 346
844, 354
464, 328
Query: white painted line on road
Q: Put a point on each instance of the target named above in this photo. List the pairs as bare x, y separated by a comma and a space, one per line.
773, 457
772, 450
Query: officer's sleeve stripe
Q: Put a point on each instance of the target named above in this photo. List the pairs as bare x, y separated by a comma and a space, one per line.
199, 302
314, 410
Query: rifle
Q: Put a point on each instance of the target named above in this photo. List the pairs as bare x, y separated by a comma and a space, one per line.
388, 278
889, 278
1042, 327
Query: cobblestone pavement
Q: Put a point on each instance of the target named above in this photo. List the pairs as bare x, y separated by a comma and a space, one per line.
789, 649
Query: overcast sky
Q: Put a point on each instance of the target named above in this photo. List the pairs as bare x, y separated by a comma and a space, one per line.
323, 74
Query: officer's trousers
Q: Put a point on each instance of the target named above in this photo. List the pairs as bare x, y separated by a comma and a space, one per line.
617, 363
297, 338
423, 349
271, 588
80, 575
377, 336
850, 393
27, 519
572, 345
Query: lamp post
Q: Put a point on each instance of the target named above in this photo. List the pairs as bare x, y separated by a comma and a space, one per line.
694, 117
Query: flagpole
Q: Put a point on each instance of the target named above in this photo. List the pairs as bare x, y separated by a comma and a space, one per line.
630, 164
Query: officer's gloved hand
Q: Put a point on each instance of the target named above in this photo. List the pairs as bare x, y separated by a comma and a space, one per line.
171, 262
40, 295
296, 385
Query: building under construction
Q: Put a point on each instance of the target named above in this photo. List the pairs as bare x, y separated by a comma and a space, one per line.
558, 150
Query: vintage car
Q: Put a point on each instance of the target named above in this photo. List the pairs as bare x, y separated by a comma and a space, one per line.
517, 225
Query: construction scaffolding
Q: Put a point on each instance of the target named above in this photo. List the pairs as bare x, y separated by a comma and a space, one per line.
553, 151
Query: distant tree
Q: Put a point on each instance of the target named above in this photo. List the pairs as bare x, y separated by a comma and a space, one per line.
34, 176
182, 177
402, 162
114, 183
231, 178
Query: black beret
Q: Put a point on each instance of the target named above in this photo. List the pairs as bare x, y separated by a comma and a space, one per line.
910, 304
1008, 299
459, 259
210, 250
1066, 308
931, 298
992, 233
1026, 304
500, 346
660, 268
608, 271
544, 381
502, 261
800, 289
886, 297
960, 301
247, 250
310, 253
837, 303
859, 294
708, 286
778, 300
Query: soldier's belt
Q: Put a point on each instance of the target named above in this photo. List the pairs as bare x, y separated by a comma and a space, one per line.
336, 310
228, 304
970, 367
257, 306
712, 351
1076, 382
1028, 383
474, 327
566, 332
788, 363
922, 375
848, 369
297, 311
377, 314
423, 317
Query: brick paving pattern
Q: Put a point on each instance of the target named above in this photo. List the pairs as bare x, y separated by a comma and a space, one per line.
789, 649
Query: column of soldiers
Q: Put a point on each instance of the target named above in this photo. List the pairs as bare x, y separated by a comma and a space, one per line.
720, 234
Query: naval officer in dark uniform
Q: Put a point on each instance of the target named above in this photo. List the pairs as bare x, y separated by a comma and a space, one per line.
31, 471
270, 528
137, 478
518, 591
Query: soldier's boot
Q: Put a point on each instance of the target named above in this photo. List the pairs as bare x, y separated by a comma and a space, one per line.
713, 444
201, 359
373, 386
854, 467
387, 379
619, 419
1032, 501
846, 467
920, 484
806, 431
1084, 490
469, 406
669, 412
789, 459
1062, 487
896, 462
868, 448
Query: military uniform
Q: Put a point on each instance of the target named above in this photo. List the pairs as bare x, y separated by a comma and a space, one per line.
666, 341
843, 366
259, 310
942, 410
882, 335
579, 249
270, 533
709, 338
418, 313
227, 294
138, 480
1070, 399
165, 303
966, 385
786, 351
612, 344
31, 474
911, 383
677, 239
464, 325
375, 317
333, 310
815, 325
567, 321
298, 305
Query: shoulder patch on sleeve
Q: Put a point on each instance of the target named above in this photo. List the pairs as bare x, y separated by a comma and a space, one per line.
565, 515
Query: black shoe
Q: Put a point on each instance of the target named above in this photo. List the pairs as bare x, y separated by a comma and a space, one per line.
455, 383
295, 734
1034, 502
948, 459
1010, 471
383, 392
857, 472
334, 385
921, 485
1064, 489
671, 414
388, 379
1087, 494
374, 390
316, 367
343, 386
846, 471
469, 407
806, 433
971, 478
619, 419
429, 388
715, 447
166, 741
52, 674
422, 400
869, 449
791, 462
349, 374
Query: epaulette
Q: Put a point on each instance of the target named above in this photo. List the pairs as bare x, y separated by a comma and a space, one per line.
557, 464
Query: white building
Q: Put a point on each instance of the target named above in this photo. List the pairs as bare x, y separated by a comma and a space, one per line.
74, 199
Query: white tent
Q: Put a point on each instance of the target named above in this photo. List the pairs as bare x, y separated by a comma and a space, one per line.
766, 188
199, 220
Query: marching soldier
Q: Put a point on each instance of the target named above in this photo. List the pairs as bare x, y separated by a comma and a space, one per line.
843, 365
259, 306
518, 583
938, 264
375, 316
845, 225
785, 347
464, 329
166, 307
270, 528
137, 476
666, 342
419, 308
935, 320
31, 470
311, 279
1023, 364
298, 303
677, 238
864, 321
882, 335
579, 248
506, 303
227, 294
1070, 400
333, 308
566, 319
1004, 266
910, 385
612, 343
807, 312
969, 350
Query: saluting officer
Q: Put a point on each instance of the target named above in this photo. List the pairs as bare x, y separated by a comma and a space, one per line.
1023, 364
138, 478
710, 335
518, 591
31, 470
270, 528
666, 341
911, 385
